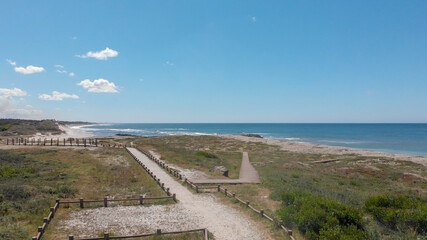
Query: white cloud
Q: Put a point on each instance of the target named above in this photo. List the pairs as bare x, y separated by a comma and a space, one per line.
11, 62
101, 55
61, 71
57, 96
13, 92
8, 109
29, 69
72, 74
59, 66
253, 19
98, 86
169, 63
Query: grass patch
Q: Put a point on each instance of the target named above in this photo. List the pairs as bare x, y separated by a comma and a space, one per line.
31, 180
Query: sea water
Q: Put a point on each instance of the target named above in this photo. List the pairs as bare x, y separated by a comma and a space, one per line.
393, 138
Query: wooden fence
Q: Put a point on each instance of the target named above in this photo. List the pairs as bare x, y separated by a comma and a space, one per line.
158, 233
75, 142
219, 189
81, 201
162, 185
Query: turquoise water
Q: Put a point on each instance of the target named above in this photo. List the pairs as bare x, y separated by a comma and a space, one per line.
394, 138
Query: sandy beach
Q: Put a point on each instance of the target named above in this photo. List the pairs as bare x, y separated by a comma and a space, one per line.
300, 147
69, 131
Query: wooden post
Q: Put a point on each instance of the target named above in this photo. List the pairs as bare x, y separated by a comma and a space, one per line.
290, 232
219, 188
106, 236
225, 191
51, 142
96, 142
167, 191
197, 188
34, 238
234, 195
174, 197
261, 212
141, 199
70, 237
159, 232
81, 203
46, 220
7, 141
105, 202
52, 210
40, 229
64, 141
247, 203
84, 141
57, 142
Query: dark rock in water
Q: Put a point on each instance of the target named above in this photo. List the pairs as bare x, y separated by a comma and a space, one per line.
223, 170
126, 135
251, 135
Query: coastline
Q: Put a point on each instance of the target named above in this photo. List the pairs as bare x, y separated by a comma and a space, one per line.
313, 148
75, 131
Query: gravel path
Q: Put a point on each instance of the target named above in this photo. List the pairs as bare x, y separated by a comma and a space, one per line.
192, 211
222, 220
248, 174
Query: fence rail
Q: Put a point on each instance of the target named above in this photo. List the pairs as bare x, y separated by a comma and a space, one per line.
64, 142
158, 233
219, 189
46, 220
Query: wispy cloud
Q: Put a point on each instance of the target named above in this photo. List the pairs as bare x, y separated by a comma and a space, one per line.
58, 66
169, 63
11, 62
29, 69
71, 74
99, 86
253, 18
13, 92
9, 107
57, 96
100, 55
74, 38
61, 71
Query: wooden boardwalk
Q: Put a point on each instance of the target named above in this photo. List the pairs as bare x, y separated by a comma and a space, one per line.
248, 174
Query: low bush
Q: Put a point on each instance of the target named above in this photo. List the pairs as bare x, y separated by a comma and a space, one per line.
205, 154
401, 212
320, 218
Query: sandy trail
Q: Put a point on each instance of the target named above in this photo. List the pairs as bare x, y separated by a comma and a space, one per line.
223, 221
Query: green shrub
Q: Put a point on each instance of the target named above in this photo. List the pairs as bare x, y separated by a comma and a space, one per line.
321, 218
13, 232
4, 128
14, 192
205, 154
400, 212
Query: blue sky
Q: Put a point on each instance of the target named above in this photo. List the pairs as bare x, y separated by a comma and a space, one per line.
214, 61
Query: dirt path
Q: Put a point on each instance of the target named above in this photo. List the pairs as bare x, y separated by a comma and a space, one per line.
248, 174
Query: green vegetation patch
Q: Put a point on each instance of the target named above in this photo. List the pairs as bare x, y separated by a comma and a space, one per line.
321, 218
401, 212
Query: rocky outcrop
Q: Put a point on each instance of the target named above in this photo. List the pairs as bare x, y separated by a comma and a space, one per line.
223, 170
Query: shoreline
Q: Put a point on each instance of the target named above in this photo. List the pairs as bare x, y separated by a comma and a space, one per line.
75, 131
313, 148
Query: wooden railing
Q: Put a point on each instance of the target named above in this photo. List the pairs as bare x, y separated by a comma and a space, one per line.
162, 185
219, 189
158, 233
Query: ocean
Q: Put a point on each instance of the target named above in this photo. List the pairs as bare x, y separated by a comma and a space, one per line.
392, 138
